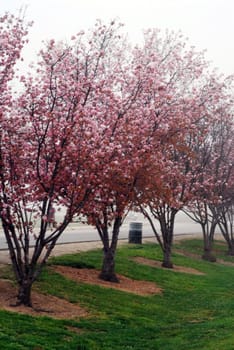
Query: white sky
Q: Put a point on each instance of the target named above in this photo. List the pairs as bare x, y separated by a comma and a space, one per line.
209, 24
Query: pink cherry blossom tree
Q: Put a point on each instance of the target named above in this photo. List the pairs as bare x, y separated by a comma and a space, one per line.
178, 101
225, 208
13, 31
50, 147
111, 204
124, 147
213, 189
223, 171
113, 198
226, 223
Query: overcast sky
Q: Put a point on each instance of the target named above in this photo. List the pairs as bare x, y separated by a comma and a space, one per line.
209, 24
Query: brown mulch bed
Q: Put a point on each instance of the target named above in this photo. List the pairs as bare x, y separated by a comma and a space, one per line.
43, 304
48, 305
188, 254
198, 257
223, 262
126, 284
176, 268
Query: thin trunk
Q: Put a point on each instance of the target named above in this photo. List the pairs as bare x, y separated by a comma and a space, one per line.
167, 257
108, 266
109, 249
148, 217
24, 293
27, 269
166, 217
167, 221
228, 236
208, 254
230, 248
208, 237
226, 228
205, 216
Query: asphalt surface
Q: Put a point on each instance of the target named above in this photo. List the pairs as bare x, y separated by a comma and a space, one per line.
70, 248
77, 232
79, 237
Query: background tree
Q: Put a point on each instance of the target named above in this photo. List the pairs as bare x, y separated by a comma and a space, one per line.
223, 170
226, 224
212, 190
177, 77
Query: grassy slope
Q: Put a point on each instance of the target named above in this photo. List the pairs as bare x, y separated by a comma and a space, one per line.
194, 312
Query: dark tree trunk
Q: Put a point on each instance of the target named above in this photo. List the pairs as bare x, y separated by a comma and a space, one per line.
167, 258
208, 255
108, 266
24, 293
230, 252
26, 266
208, 238
226, 227
109, 248
167, 220
230, 248
166, 217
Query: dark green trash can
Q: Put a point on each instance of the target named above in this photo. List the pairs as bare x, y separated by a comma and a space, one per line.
135, 233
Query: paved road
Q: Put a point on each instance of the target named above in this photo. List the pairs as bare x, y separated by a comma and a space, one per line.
77, 232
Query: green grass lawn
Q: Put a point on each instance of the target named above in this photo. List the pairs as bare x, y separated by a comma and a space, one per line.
193, 312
